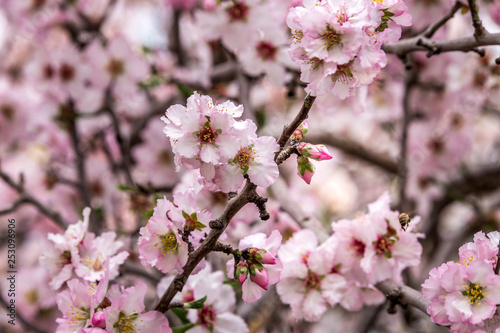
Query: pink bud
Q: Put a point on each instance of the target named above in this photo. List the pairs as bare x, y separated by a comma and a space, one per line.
301, 131
267, 258
209, 5
305, 169
240, 272
99, 319
260, 278
316, 152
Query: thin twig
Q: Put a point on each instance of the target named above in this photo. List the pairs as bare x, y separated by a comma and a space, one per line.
479, 29
301, 116
431, 30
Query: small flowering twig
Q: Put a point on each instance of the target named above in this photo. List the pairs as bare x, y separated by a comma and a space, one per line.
232, 207
301, 116
403, 294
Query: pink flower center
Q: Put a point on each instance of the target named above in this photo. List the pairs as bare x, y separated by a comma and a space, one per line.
266, 50
7, 111
207, 134
343, 74
168, 243
115, 67
48, 71
238, 12
358, 247
331, 38
313, 281
207, 317
245, 157
67, 72
383, 246
64, 258
474, 293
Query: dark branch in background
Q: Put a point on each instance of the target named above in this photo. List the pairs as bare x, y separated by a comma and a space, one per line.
431, 30
403, 294
410, 79
355, 149
25, 197
479, 30
479, 182
247, 194
175, 38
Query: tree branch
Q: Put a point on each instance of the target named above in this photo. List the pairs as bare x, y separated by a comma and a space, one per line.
404, 294
420, 43
233, 206
301, 116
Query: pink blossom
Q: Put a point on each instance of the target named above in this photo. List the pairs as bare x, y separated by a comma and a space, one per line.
261, 274
485, 248
202, 131
307, 284
305, 169
316, 152
161, 246
216, 315
462, 294
254, 158
127, 311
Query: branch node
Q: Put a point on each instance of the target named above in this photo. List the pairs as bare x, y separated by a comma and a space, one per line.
216, 224
260, 202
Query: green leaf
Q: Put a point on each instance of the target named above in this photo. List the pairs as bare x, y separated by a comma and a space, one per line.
124, 187
198, 304
183, 328
181, 314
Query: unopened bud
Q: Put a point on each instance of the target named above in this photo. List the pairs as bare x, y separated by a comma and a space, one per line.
316, 152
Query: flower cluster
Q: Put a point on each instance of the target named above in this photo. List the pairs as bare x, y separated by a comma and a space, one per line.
215, 315
81, 252
338, 44
207, 136
307, 151
344, 269
95, 309
257, 265
165, 240
465, 294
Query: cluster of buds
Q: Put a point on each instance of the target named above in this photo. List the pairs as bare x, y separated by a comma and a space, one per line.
307, 151
253, 263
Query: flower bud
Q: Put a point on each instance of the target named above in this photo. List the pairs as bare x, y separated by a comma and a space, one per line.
316, 152
305, 169
99, 319
260, 278
240, 272
301, 131
267, 258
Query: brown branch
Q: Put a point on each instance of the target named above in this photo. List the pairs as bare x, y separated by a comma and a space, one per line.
419, 43
431, 30
301, 116
479, 29
479, 182
404, 294
218, 226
